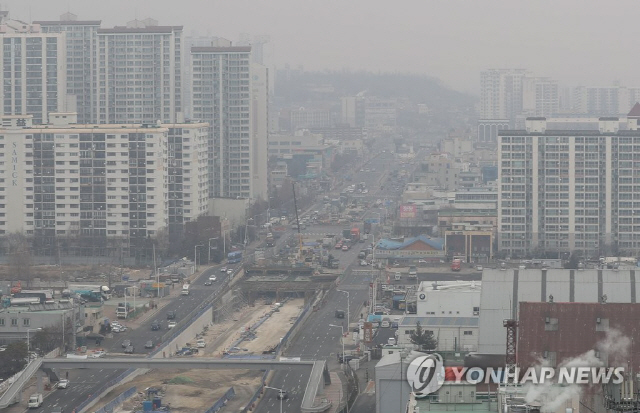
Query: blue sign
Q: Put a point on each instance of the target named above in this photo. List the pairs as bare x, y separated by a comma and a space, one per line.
371, 220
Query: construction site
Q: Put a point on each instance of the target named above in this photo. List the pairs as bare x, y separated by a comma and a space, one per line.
250, 332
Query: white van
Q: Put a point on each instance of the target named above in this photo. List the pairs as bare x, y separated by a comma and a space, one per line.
35, 401
392, 341
185, 289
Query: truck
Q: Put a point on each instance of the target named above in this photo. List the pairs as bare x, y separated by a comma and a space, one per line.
456, 265
185, 289
346, 233
329, 241
413, 272
102, 290
124, 310
367, 227
270, 240
35, 400
355, 234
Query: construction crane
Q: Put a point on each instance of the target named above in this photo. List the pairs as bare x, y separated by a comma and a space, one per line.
511, 370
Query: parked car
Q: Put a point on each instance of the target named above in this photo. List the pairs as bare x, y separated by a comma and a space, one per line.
63, 384
126, 343
201, 344
148, 344
98, 354
129, 350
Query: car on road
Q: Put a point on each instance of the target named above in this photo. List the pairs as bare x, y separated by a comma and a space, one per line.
338, 246
223, 269
479, 268
129, 350
155, 325
213, 278
126, 343
171, 315
363, 263
56, 410
229, 271
282, 395
63, 384
345, 247
115, 329
148, 344
208, 282
171, 324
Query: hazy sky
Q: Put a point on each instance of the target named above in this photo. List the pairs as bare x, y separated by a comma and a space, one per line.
575, 41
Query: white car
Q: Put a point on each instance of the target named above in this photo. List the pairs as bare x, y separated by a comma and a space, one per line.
171, 324
230, 271
115, 329
98, 354
63, 384
223, 269
212, 278
201, 344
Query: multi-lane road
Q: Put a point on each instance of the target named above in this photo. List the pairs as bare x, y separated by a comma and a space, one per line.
316, 341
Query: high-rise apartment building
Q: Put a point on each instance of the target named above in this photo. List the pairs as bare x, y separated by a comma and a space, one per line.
540, 97
33, 70
99, 186
501, 93
139, 73
604, 101
80, 39
222, 97
570, 190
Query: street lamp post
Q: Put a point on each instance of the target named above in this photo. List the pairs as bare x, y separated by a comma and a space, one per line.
29, 330
195, 255
348, 312
281, 394
209, 260
342, 339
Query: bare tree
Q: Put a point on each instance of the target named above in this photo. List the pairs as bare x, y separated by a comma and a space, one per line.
20, 257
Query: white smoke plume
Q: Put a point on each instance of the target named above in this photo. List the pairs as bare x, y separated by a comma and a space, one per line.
551, 396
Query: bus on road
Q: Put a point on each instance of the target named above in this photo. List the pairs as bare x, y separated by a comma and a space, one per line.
234, 257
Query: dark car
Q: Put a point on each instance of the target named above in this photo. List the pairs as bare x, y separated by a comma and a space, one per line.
171, 315
155, 325
148, 344
126, 344
282, 395
339, 313
129, 350
56, 410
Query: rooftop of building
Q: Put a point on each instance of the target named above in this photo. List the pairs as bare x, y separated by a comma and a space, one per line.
413, 320
231, 49
446, 286
36, 308
387, 244
68, 22
425, 405
133, 30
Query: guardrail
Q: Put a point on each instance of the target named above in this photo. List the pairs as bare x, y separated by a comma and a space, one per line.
110, 407
230, 394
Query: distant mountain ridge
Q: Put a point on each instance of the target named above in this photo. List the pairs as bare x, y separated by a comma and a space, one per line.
301, 86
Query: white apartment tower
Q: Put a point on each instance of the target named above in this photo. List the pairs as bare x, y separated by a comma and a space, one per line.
33, 70
540, 97
139, 73
222, 96
80, 36
111, 185
570, 190
501, 93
